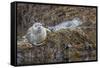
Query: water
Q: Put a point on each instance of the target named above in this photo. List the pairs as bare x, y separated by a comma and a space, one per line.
67, 24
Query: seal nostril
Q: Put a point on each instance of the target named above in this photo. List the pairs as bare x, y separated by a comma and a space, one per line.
39, 27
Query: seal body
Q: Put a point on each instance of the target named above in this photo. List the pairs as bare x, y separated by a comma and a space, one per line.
36, 34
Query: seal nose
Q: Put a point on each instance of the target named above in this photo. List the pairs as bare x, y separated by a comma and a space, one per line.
39, 27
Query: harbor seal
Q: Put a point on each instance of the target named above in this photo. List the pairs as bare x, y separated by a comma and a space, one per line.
37, 34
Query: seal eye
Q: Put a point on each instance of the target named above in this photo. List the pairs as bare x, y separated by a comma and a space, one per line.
35, 25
